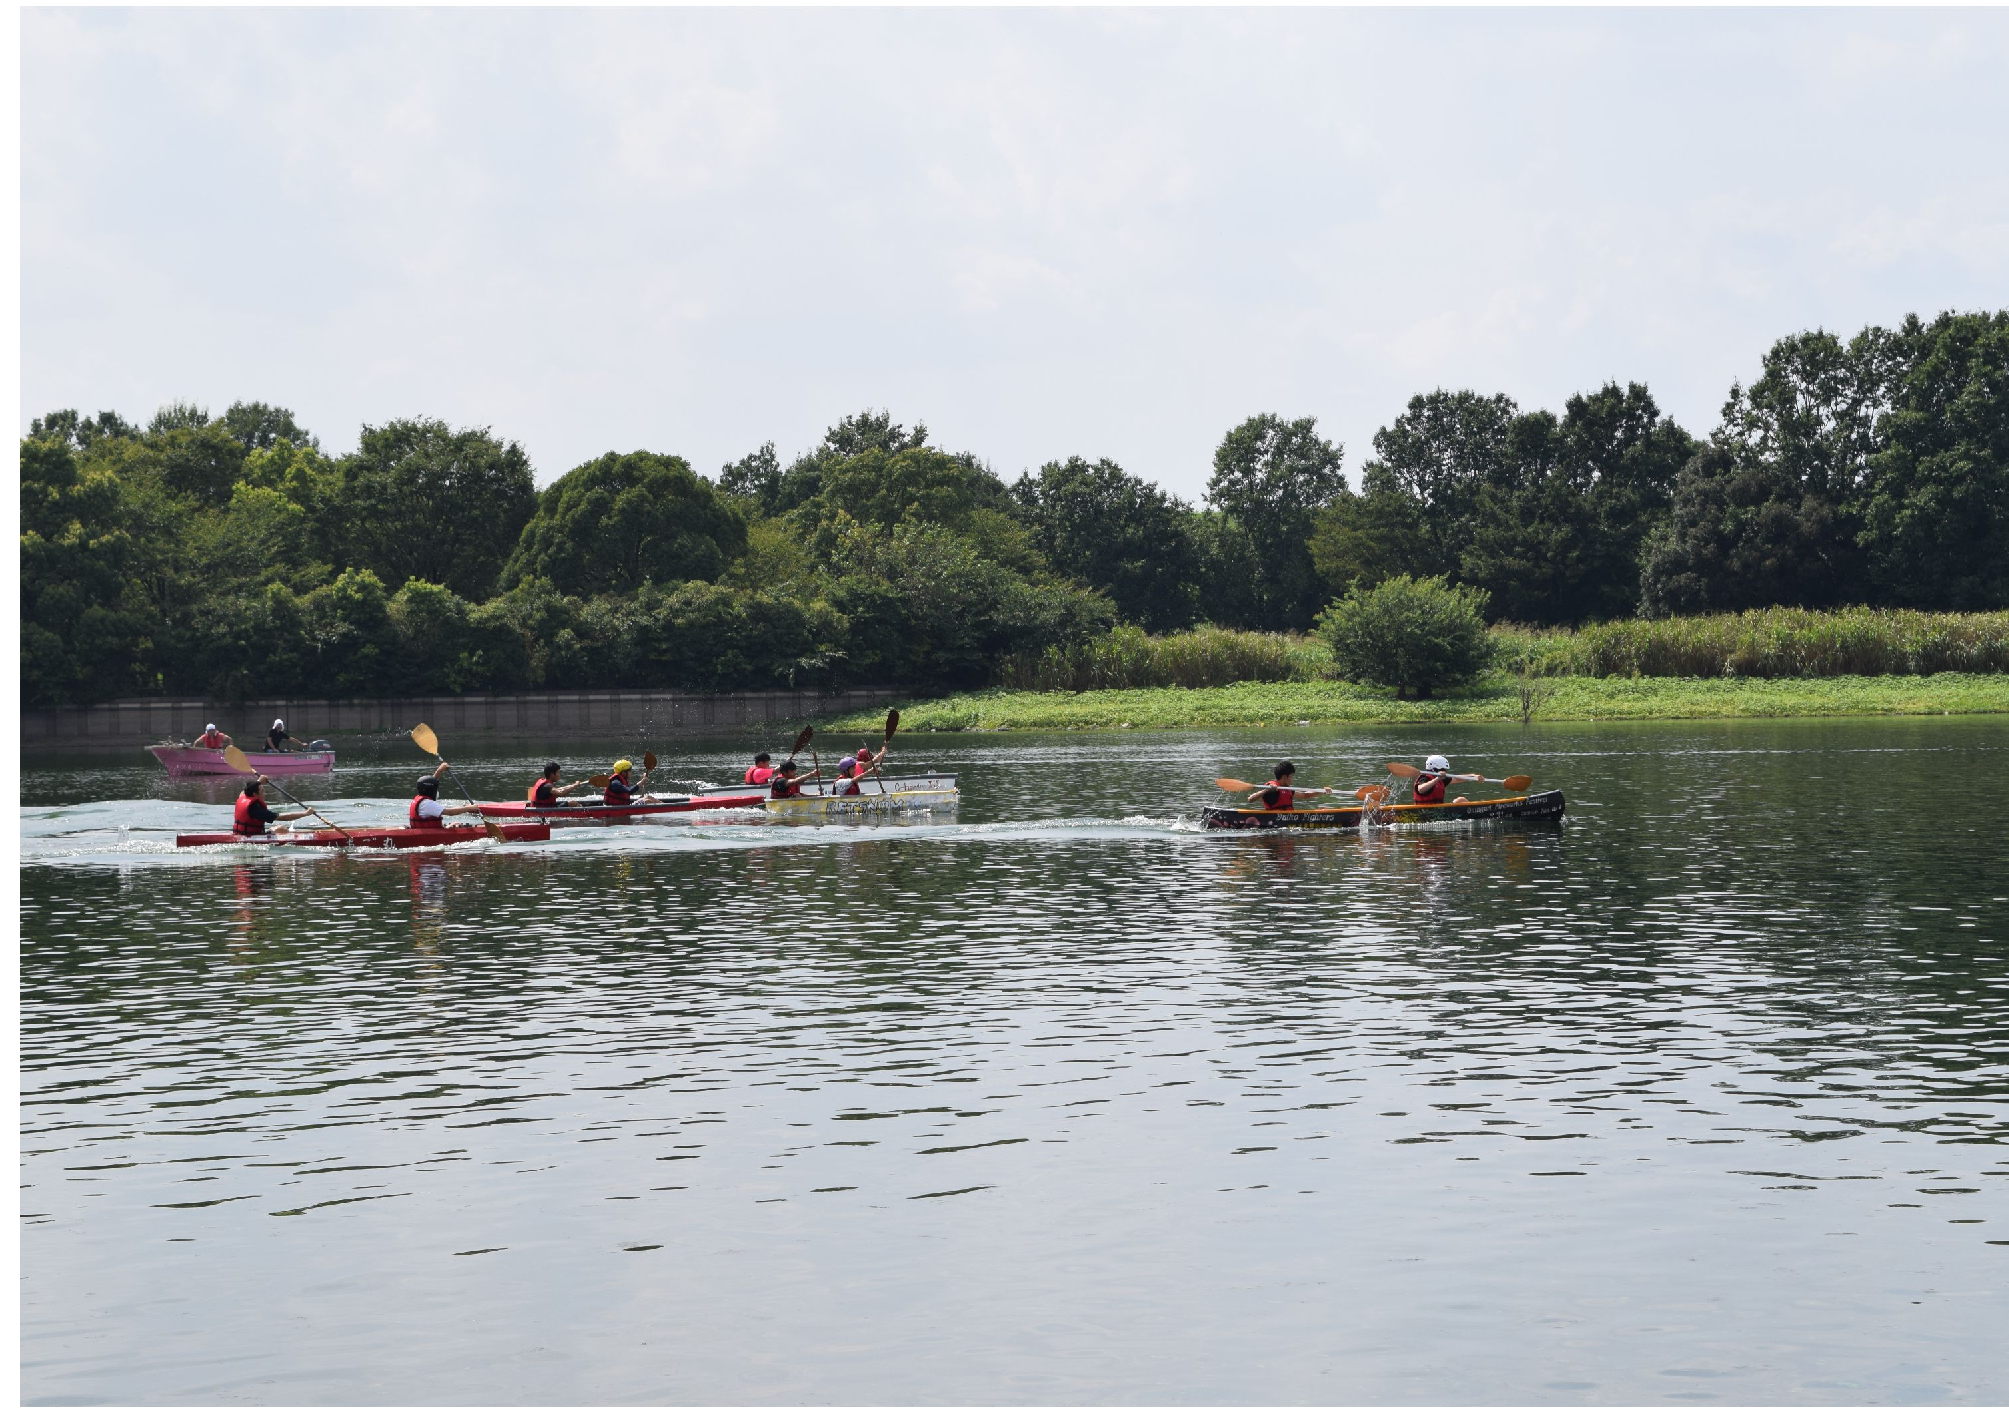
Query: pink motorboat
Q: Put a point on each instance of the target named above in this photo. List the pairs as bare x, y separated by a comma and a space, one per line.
200, 760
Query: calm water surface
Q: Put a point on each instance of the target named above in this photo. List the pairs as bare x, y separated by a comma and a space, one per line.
1698, 1096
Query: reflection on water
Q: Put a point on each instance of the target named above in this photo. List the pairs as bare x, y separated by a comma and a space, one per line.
1696, 1096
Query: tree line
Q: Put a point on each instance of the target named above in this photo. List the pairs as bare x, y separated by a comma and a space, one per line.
230, 556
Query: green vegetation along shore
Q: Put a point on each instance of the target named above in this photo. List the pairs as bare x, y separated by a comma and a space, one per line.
1496, 698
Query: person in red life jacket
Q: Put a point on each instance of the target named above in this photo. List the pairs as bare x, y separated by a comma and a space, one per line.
253, 814
426, 811
760, 772
546, 793
212, 739
847, 777
1280, 793
1430, 786
621, 788
787, 783
868, 761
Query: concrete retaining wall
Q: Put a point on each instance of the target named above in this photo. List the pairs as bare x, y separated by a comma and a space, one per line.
149, 721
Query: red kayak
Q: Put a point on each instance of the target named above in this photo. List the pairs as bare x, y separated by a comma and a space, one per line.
676, 804
371, 838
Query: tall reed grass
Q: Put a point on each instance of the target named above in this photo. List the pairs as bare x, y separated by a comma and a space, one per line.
1128, 657
1771, 642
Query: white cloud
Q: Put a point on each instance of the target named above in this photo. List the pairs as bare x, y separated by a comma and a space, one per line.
1105, 232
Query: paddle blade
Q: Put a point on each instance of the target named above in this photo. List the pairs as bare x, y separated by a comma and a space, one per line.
1236, 786
237, 760
892, 724
598, 782
423, 737
494, 830
802, 740
1518, 782
1407, 772
648, 760
1374, 794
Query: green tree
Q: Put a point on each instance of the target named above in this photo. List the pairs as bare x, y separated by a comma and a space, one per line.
80, 433
1273, 477
623, 520
1116, 533
257, 426
1935, 495
1414, 635
419, 500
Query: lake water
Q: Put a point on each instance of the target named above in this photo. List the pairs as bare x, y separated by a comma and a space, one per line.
1698, 1096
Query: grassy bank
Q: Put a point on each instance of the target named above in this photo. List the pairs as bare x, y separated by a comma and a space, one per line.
1496, 699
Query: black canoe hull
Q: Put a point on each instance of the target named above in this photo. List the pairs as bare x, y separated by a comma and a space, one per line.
1547, 805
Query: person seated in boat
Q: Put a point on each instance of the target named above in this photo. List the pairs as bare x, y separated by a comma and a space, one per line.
276, 738
546, 793
870, 760
621, 787
848, 771
426, 811
787, 782
253, 814
760, 772
1433, 784
1281, 793
211, 739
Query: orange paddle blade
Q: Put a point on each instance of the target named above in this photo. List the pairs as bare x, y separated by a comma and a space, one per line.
423, 737
237, 760
1518, 782
1374, 793
1242, 786
648, 760
598, 782
1407, 772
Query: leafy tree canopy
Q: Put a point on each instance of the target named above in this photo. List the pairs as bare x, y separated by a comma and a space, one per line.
1271, 477
1118, 534
613, 524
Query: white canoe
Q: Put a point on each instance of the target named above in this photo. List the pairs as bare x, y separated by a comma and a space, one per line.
893, 795
199, 760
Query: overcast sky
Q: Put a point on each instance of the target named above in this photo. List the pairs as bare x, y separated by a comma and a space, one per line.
1105, 233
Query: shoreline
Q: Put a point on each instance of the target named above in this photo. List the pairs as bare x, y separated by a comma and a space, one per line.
1495, 700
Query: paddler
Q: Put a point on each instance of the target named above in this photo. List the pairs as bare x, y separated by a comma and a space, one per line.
546, 793
426, 811
253, 814
848, 771
1429, 787
786, 784
1280, 793
760, 772
620, 789
276, 738
211, 739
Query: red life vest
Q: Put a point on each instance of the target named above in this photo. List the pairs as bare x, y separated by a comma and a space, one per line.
1430, 789
759, 774
784, 789
542, 794
618, 791
1279, 797
849, 786
413, 815
214, 743
245, 823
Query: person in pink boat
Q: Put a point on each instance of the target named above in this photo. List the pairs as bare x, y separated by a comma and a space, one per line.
212, 739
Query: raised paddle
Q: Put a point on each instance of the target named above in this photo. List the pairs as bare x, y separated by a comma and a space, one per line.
424, 739
237, 760
892, 725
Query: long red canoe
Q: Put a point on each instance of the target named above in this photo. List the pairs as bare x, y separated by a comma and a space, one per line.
371, 838
567, 814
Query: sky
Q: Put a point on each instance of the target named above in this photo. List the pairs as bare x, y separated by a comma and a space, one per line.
1044, 233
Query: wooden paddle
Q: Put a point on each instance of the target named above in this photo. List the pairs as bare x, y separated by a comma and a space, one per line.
1512, 782
237, 760
808, 738
423, 738
892, 725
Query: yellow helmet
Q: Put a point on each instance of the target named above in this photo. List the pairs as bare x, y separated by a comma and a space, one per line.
622, 767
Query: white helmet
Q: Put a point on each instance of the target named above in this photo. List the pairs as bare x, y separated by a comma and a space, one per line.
277, 724
1436, 764
210, 727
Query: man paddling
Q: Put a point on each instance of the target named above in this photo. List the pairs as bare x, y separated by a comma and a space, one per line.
1429, 787
253, 814
211, 739
1280, 793
426, 811
620, 789
546, 793
787, 783
760, 772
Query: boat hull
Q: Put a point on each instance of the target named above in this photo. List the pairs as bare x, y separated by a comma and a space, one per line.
369, 838
199, 760
1546, 805
597, 813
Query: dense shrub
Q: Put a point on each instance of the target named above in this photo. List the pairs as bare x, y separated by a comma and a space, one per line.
1414, 635
1776, 642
